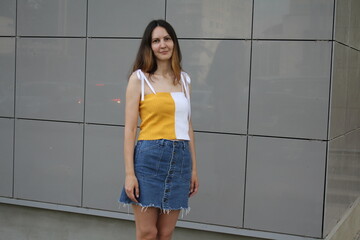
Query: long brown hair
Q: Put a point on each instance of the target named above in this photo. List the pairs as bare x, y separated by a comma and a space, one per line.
145, 59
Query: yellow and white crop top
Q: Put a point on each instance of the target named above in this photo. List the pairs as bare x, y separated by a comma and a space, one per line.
164, 115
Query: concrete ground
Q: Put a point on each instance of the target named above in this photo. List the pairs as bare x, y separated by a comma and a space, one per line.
26, 223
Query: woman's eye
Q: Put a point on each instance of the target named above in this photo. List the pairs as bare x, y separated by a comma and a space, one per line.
167, 38
156, 41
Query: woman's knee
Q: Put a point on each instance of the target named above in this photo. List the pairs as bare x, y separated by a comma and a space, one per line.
165, 233
147, 233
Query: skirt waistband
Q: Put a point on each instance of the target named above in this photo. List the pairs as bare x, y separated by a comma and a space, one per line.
167, 142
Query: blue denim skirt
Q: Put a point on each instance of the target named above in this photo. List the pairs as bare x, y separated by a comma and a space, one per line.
163, 170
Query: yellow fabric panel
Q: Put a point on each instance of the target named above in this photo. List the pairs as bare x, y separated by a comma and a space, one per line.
157, 113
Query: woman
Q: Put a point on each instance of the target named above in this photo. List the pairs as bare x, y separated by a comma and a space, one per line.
161, 172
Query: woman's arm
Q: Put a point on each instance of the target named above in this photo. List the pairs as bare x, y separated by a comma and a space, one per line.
194, 185
131, 120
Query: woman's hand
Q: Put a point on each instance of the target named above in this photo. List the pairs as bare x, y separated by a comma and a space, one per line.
194, 185
132, 188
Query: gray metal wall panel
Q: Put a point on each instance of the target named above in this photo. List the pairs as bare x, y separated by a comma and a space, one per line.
108, 68
7, 77
292, 19
345, 101
6, 156
50, 77
289, 93
7, 17
210, 18
285, 185
48, 161
347, 22
220, 83
339, 90
103, 167
354, 22
113, 18
221, 163
52, 18
352, 120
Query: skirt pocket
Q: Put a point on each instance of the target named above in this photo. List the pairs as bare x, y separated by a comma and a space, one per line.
148, 158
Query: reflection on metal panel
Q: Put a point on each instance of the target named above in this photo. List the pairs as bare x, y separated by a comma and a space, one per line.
50, 78
108, 68
220, 83
289, 93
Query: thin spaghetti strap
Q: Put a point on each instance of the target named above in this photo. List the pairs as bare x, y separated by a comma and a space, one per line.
142, 84
143, 78
147, 81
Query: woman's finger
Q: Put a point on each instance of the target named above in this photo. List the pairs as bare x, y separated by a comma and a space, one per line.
132, 188
132, 197
194, 188
130, 194
137, 191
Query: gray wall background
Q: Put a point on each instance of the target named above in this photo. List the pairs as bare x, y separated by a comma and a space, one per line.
276, 105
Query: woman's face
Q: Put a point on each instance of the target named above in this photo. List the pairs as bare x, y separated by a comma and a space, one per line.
161, 44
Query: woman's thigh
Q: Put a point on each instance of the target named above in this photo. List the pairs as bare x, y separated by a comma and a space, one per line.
166, 224
145, 219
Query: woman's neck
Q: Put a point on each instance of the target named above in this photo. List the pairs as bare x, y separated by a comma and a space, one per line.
163, 68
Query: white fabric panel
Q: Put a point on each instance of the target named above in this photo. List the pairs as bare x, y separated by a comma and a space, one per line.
181, 115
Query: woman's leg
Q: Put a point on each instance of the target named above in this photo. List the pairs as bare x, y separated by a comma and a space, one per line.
166, 224
145, 222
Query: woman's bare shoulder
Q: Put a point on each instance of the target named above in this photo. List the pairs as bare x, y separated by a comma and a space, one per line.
134, 77
134, 80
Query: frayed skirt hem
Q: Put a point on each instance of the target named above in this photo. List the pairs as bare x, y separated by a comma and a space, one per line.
184, 210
